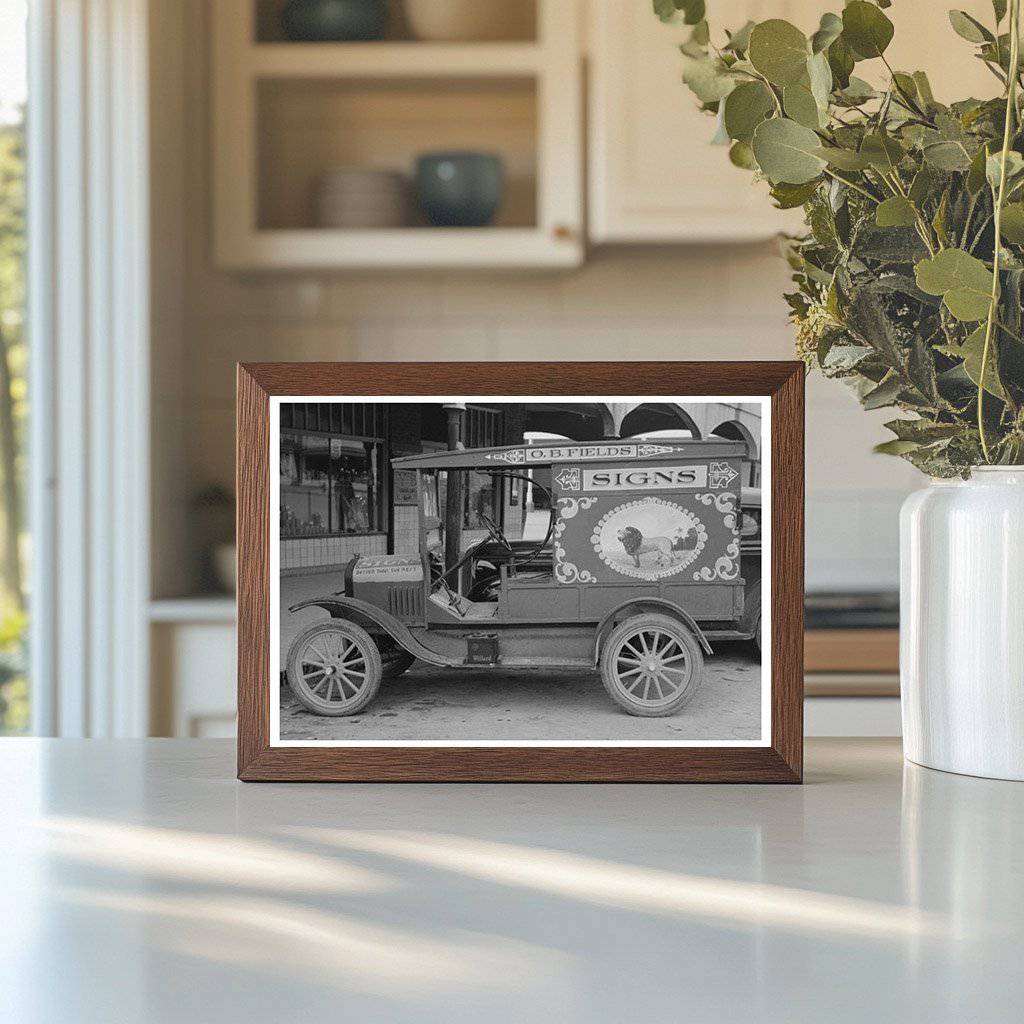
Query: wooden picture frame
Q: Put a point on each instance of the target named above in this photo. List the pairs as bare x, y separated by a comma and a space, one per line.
779, 759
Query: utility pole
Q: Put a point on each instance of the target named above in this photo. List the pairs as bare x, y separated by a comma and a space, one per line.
455, 412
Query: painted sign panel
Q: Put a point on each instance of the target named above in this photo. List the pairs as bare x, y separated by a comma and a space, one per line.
404, 490
583, 452
639, 478
717, 475
390, 568
613, 528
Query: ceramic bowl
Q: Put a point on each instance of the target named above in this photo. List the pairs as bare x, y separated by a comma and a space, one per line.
470, 20
331, 21
359, 197
460, 189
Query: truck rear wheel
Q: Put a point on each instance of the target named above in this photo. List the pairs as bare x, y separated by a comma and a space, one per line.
334, 668
651, 665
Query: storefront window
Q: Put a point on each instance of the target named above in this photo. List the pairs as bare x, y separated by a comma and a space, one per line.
330, 485
481, 498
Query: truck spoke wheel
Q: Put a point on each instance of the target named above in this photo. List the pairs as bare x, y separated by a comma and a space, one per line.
334, 668
651, 665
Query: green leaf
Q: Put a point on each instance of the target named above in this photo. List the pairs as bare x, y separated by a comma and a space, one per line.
745, 108
976, 173
947, 156
905, 84
866, 29
701, 34
707, 78
693, 10
895, 212
801, 106
857, 91
739, 41
690, 12
923, 431
788, 196
844, 159
999, 9
993, 167
963, 281
665, 10
819, 74
829, 30
883, 152
895, 447
841, 63
1012, 223
885, 394
890, 245
921, 371
779, 51
741, 155
971, 351
969, 28
939, 220
922, 185
924, 88
787, 151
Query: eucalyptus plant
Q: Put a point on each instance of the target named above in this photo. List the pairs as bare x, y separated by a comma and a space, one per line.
910, 277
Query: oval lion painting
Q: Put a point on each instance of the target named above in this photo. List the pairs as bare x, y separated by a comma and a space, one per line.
649, 538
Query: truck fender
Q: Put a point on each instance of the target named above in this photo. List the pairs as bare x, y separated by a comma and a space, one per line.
646, 604
341, 607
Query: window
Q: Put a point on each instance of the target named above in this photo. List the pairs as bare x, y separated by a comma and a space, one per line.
14, 691
481, 491
330, 486
481, 499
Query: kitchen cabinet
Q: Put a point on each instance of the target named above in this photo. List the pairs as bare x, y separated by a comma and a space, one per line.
654, 177
287, 114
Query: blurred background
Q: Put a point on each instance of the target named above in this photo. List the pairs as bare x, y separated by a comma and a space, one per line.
360, 180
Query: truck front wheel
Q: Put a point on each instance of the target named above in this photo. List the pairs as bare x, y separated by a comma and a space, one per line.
651, 665
334, 668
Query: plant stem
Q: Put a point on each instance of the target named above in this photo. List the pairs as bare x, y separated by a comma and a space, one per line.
1011, 108
853, 185
907, 99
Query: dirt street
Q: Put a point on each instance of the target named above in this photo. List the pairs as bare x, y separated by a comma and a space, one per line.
537, 704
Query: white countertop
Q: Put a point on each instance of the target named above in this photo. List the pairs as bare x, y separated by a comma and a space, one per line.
140, 882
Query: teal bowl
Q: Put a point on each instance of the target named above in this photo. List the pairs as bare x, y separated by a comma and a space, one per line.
460, 190
334, 21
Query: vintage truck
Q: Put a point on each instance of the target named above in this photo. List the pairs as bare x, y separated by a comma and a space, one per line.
651, 553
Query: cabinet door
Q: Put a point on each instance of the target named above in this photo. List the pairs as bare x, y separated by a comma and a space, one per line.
653, 174
654, 177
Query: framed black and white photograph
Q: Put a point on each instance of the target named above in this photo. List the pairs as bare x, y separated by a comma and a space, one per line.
474, 581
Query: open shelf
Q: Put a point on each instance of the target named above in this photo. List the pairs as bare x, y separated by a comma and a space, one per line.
286, 114
519, 25
309, 127
388, 60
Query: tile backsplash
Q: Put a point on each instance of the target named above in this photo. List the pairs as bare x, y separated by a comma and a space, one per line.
650, 304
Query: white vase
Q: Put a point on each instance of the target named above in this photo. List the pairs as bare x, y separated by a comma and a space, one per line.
962, 624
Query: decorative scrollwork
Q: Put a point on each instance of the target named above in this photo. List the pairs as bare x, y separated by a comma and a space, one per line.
726, 568
566, 571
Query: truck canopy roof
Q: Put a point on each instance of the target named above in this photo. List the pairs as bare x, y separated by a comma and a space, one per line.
548, 453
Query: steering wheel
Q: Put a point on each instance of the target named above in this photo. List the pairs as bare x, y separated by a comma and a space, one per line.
494, 531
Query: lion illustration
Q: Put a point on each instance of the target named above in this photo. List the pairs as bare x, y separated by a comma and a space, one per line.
667, 550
